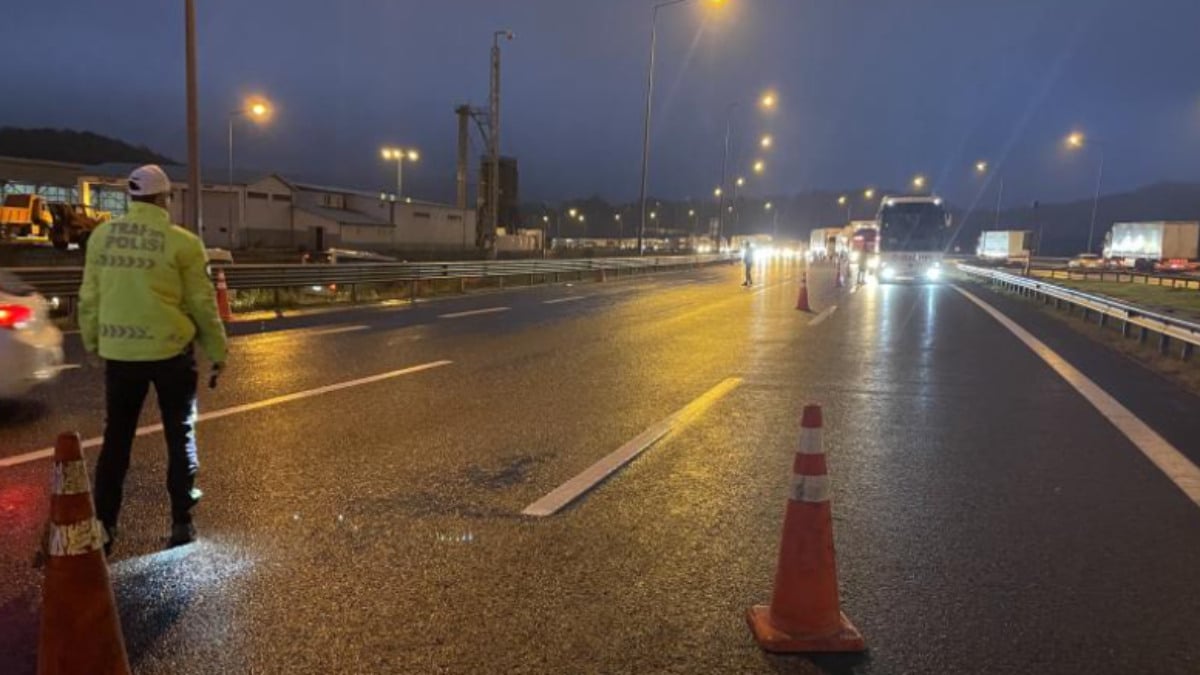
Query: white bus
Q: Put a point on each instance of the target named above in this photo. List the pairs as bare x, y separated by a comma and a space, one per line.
912, 239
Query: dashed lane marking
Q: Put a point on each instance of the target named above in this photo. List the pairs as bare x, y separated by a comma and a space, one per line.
1178, 468
302, 332
568, 492
820, 318
474, 312
46, 453
557, 301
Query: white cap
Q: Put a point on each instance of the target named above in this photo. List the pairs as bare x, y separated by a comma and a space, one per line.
149, 180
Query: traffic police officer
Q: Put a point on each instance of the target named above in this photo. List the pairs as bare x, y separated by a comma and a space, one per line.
146, 298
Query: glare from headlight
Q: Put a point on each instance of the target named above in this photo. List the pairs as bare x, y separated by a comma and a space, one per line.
873, 264
933, 273
888, 273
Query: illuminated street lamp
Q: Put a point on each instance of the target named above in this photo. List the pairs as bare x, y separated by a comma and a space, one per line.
918, 182
769, 100
1076, 140
718, 192
649, 111
741, 182
844, 200
259, 110
573, 213
399, 156
869, 194
766, 142
760, 166
982, 168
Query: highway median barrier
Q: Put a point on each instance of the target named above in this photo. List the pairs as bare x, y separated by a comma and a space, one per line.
805, 612
80, 628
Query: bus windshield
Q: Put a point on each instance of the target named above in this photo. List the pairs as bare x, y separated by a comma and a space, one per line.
912, 225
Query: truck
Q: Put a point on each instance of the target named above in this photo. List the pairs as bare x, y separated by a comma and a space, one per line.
25, 217
1004, 245
826, 242
31, 218
1150, 243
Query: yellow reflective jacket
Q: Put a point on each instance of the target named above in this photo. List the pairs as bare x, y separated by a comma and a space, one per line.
146, 293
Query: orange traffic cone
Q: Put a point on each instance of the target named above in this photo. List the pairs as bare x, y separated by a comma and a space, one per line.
802, 301
223, 297
805, 613
81, 632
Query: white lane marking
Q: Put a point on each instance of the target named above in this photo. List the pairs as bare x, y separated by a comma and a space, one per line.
820, 318
68, 366
564, 494
46, 453
302, 332
561, 300
474, 312
1178, 468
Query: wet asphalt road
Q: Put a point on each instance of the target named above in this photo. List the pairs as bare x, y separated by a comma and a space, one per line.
988, 519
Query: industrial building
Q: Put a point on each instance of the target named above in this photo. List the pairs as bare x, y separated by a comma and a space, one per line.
267, 211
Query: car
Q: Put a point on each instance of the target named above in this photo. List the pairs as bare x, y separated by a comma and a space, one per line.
31, 347
1086, 261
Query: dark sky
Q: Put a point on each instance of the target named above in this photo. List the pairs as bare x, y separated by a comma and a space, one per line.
872, 91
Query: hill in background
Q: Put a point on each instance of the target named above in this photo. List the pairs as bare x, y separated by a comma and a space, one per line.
76, 147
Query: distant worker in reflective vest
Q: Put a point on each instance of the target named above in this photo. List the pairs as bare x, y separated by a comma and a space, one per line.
748, 261
146, 300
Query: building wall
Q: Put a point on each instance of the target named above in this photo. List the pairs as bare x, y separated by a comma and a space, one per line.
434, 227
307, 226
269, 221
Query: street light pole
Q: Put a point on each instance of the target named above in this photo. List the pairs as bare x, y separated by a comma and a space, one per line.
646, 121
999, 198
1096, 199
193, 123
724, 172
232, 192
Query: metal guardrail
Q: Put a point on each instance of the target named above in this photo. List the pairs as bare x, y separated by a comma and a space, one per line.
1121, 276
1167, 327
63, 282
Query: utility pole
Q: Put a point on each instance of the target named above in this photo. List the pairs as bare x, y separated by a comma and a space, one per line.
193, 217
724, 174
464, 140
494, 145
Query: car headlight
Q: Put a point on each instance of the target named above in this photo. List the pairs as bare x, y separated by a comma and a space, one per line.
888, 272
933, 273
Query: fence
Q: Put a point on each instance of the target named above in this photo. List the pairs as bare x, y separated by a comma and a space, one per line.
1168, 328
1120, 276
63, 282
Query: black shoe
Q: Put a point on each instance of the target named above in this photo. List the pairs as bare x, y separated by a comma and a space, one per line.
181, 534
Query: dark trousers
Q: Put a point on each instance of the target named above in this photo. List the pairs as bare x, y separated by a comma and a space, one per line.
126, 384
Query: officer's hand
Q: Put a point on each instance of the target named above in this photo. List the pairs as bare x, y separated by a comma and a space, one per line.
217, 369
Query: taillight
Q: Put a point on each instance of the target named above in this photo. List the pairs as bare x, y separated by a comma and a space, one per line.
14, 316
